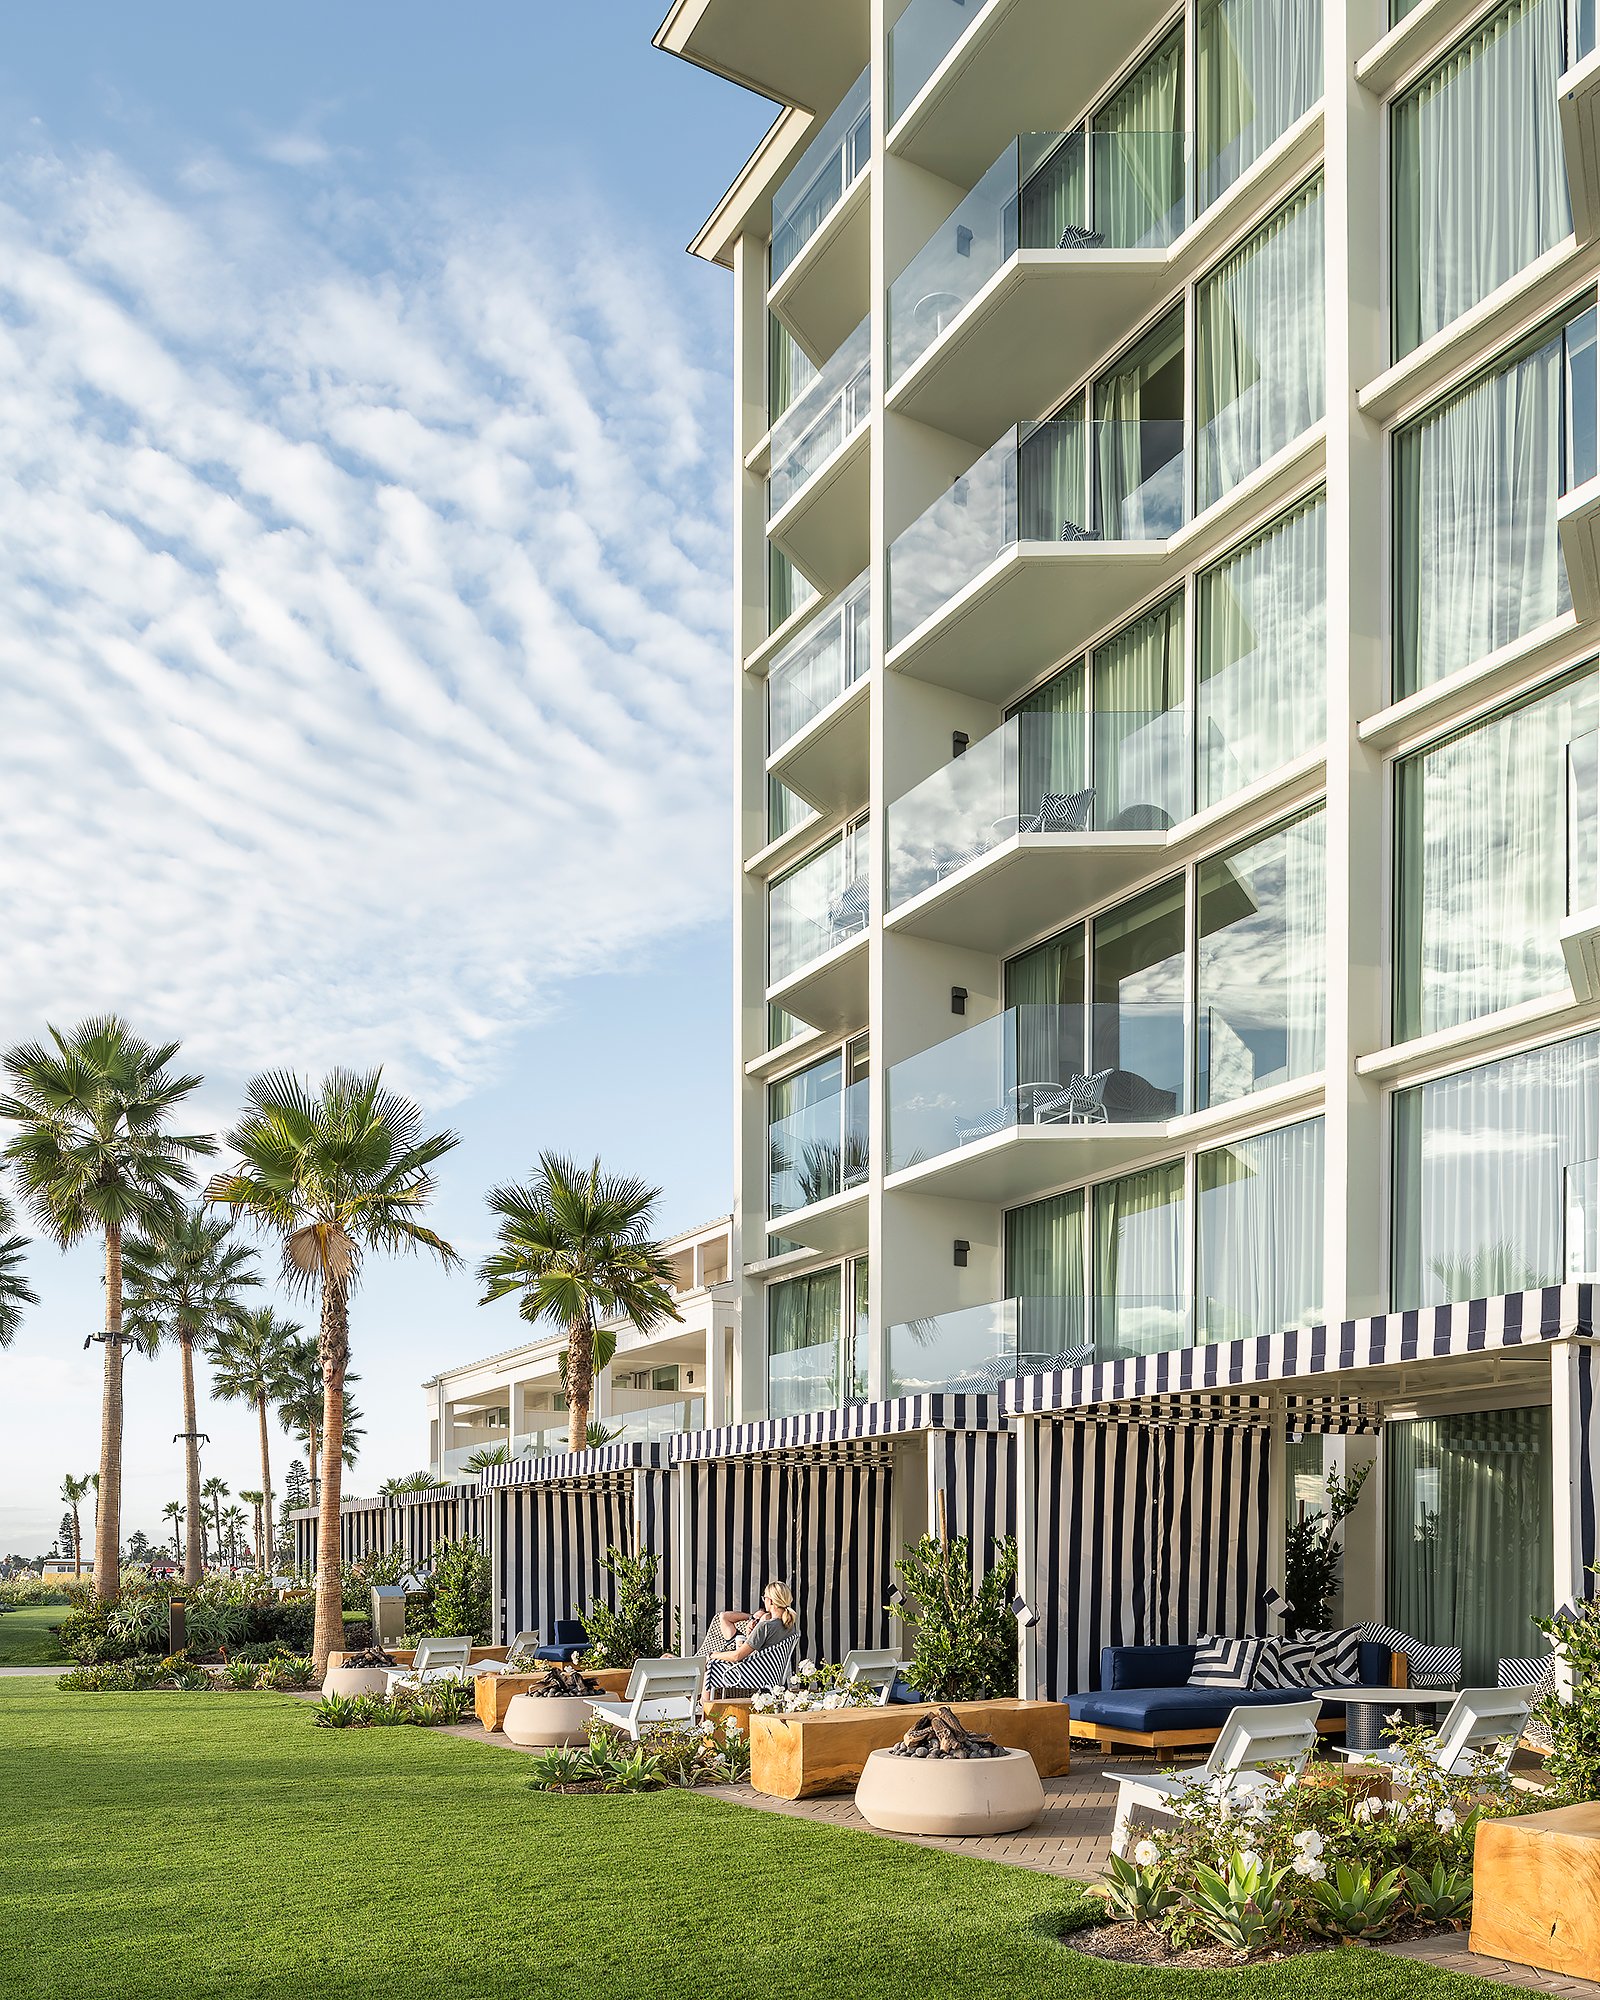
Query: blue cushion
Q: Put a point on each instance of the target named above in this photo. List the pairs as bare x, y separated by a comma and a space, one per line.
1145, 1666
569, 1632
904, 1691
1375, 1664
560, 1654
1144, 1710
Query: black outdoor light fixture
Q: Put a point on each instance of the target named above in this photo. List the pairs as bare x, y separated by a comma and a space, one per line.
959, 742
958, 999
962, 1246
1024, 1613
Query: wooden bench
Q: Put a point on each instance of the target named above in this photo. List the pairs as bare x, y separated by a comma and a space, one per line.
804, 1756
492, 1693
1536, 1890
1158, 1741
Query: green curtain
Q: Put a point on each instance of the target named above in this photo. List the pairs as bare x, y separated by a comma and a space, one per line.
1052, 478
1051, 750
1045, 986
1258, 67
1140, 760
854, 1368
790, 370
1469, 1534
803, 1337
1140, 1303
1138, 165
1054, 191
1045, 1274
1139, 414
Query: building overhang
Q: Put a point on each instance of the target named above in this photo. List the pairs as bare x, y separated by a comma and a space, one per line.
806, 55
831, 992
826, 762
824, 293
822, 529
819, 1432
834, 1226
1019, 1164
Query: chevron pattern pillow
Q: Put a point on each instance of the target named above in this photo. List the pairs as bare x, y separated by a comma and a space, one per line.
1225, 1663
1064, 812
1333, 1658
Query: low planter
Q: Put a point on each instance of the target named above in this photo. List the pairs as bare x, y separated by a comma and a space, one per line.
546, 1721
353, 1681
949, 1796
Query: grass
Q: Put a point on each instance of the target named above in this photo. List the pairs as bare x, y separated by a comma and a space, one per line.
206, 1845
26, 1639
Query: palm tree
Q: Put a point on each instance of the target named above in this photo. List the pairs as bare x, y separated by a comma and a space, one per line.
74, 1492
184, 1283
300, 1404
407, 1482
334, 1176
255, 1501
216, 1491
250, 1364
577, 1245
93, 1156
173, 1512
15, 1292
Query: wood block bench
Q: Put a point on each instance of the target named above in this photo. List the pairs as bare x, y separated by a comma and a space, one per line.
805, 1756
492, 1693
1536, 1890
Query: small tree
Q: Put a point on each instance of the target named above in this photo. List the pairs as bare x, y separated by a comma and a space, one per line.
1572, 1714
75, 1491
965, 1647
460, 1591
632, 1630
1313, 1553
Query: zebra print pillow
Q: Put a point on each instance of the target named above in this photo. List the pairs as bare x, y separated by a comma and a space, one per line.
1333, 1658
1224, 1663
1064, 812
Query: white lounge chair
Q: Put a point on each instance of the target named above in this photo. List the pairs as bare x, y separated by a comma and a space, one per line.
434, 1660
1276, 1733
661, 1690
877, 1668
1480, 1719
523, 1644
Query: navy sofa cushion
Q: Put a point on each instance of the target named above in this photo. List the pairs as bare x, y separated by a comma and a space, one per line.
562, 1655
1145, 1666
1143, 1689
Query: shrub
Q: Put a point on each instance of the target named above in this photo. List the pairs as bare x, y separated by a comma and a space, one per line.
632, 1630
460, 1591
19, 1590
683, 1754
813, 1688
1573, 1717
1313, 1552
966, 1637
1355, 1903
424, 1705
287, 1672
1238, 1905
86, 1635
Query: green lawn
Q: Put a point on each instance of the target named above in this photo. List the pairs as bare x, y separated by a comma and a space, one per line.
26, 1639
199, 1845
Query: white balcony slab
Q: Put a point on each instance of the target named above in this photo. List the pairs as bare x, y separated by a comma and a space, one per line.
834, 1226
806, 55
822, 295
831, 992
1578, 524
826, 762
1580, 946
1029, 883
823, 528
1022, 1164
1579, 102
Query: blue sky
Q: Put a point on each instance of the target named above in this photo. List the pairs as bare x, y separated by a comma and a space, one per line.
363, 631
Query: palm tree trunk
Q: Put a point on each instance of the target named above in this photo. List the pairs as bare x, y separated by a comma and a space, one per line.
108, 1519
311, 1462
216, 1518
334, 1344
264, 1556
77, 1542
580, 1382
194, 1505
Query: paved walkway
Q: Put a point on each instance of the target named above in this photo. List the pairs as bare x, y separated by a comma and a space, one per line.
8, 1672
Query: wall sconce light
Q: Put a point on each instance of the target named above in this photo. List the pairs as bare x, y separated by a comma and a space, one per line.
958, 999
959, 740
963, 240
962, 1246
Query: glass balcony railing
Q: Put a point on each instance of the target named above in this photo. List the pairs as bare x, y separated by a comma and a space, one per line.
1071, 1068
655, 1421
813, 670
919, 41
1114, 771
977, 1349
1583, 823
1047, 191
1581, 1188
819, 1151
542, 1441
821, 904
822, 176
1065, 480
831, 409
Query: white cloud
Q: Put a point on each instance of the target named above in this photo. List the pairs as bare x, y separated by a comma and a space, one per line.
361, 611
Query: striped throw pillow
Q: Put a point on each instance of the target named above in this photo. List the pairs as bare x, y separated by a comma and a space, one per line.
1224, 1663
1334, 1659
1284, 1663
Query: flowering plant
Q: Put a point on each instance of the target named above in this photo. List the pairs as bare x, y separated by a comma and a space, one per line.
815, 1688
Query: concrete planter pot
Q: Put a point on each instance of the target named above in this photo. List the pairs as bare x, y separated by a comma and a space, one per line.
353, 1681
546, 1721
949, 1796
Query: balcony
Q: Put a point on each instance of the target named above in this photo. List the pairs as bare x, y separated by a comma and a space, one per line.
817, 917
817, 488
819, 228
795, 55
952, 117
1581, 1187
1578, 101
975, 1350
1058, 530
1580, 933
818, 1161
1037, 1096
656, 1421
817, 738
1059, 249
1049, 812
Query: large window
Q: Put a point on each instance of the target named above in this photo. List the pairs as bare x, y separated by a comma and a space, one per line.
1483, 862
1258, 1256
1138, 409
804, 1326
1261, 654
1259, 347
1140, 1303
1261, 969
1045, 1274
1469, 1523
1480, 179
1477, 559
1490, 1170
1139, 976
817, 1130
1258, 68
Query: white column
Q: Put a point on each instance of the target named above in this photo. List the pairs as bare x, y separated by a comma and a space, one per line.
1024, 1462
1574, 1471
1277, 1499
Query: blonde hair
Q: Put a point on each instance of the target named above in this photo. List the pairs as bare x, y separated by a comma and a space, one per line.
782, 1603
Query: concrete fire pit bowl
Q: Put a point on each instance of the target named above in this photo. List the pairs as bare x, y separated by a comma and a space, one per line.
353, 1681
545, 1721
949, 1796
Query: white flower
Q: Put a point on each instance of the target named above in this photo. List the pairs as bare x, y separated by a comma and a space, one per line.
1310, 1842
1249, 1860
1366, 1809
1146, 1854
808, 1666
1310, 1867
1445, 1820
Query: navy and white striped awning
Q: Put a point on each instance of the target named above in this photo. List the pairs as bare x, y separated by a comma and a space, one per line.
1475, 1326
606, 1461
855, 1425
1338, 1416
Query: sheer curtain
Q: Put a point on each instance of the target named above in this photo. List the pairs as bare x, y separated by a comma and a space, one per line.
1053, 191
1477, 558
1464, 1494
803, 1329
1045, 1273
1306, 939
1483, 841
1050, 731
1138, 168
1259, 1234
1053, 479
1140, 1304
1138, 406
1259, 339
1261, 652
1480, 1173
1045, 986
1258, 68
1480, 180
1140, 761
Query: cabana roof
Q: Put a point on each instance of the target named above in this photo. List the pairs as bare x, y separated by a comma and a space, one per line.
561, 1468
814, 1433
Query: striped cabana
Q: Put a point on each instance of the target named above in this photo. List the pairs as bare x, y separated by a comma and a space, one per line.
1148, 1487
415, 1522
551, 1520
826, 1501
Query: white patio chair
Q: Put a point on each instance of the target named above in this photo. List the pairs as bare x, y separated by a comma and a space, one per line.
434, 1660
1279, 1733
660, 1690
1480, 1719
877, 1667
524, 1644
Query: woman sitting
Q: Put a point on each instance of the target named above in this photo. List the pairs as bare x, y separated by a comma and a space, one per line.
745, 1633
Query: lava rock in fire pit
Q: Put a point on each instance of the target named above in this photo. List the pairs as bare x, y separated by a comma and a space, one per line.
941, 1735
370, 1656
558, 1680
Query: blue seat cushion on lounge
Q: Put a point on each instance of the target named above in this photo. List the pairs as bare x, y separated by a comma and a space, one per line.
1146, 1710
1145, 1666
1376, 1662
904, 1691
560, 1654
